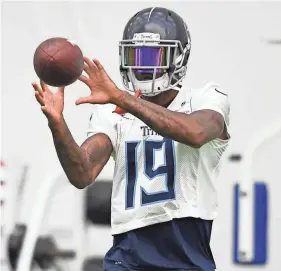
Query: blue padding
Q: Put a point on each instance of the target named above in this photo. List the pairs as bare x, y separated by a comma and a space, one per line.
236, 223
260, 217
261, 223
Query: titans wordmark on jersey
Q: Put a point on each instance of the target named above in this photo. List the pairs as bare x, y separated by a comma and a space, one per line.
157, 179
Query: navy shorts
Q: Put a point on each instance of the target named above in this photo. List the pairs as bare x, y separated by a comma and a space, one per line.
180, 244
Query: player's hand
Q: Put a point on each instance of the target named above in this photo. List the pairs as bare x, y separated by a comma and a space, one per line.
103, 89
51, 103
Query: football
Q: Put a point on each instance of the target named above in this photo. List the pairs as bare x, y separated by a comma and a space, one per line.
58, 62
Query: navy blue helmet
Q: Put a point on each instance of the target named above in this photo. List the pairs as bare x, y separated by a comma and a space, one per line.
154, 51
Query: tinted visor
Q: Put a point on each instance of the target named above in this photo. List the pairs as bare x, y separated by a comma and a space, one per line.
141, 58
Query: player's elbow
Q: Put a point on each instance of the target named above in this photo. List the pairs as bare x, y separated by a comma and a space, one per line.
78, 184
198, 141
197, 138
82, 180
81, 184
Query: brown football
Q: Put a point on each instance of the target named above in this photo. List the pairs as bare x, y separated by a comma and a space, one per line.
58, 62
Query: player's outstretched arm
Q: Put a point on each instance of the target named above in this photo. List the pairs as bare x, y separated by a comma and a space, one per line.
81, 164
194, 129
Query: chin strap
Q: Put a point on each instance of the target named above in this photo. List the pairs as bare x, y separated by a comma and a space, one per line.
121, 111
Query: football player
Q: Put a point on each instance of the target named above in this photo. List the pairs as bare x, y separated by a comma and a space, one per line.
167, 143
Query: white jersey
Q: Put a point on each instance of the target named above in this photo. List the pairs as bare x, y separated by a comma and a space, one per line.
157, 179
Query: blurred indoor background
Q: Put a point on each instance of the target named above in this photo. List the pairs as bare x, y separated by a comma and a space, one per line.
236, 44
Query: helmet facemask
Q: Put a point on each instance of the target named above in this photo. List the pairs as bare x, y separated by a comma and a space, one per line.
152, 65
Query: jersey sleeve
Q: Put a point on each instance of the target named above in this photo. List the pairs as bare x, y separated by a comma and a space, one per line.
102, 120
214, 98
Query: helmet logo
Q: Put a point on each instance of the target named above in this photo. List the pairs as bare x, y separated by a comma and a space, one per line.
147, 36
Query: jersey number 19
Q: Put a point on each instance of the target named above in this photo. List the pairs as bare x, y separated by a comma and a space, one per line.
166, 146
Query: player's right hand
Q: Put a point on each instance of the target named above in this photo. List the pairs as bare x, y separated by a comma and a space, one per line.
51, 103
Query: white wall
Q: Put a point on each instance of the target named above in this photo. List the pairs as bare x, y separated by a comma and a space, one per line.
226, 48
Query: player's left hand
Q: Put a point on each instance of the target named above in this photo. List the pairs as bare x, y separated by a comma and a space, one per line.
103, 90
